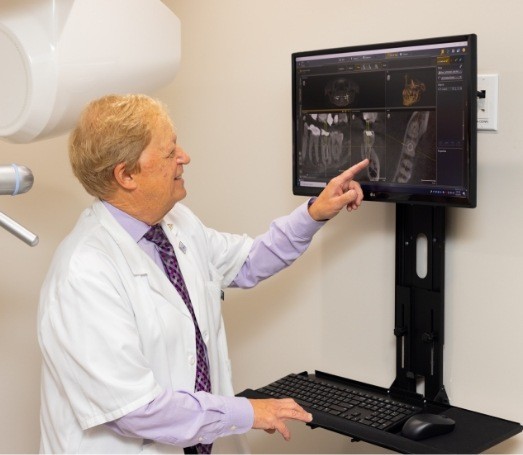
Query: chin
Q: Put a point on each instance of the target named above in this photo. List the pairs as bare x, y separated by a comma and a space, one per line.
179, 197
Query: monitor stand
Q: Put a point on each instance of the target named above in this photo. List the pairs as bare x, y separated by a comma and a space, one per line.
419, 301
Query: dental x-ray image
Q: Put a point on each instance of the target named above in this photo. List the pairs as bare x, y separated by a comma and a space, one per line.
325, 144
385, 116
400, 145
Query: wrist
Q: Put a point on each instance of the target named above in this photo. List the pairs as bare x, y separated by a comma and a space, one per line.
313, 213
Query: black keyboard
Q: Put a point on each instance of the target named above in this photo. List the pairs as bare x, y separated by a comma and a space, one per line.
321, 396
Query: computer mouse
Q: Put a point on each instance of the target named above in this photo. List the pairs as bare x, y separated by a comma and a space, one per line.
424, 425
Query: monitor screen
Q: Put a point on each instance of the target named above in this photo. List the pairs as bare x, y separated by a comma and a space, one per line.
409, 107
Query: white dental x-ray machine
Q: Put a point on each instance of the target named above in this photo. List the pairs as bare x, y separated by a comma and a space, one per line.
57, 55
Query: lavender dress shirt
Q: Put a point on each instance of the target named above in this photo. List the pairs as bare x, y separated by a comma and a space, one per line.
180, 417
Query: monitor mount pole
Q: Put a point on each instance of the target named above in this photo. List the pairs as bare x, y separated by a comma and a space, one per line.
419, 304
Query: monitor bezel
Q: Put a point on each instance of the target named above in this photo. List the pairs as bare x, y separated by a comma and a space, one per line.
372, 191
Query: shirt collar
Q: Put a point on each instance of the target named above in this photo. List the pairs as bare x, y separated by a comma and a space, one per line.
135, 228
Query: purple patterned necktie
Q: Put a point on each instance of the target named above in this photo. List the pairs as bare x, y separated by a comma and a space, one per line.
203, 379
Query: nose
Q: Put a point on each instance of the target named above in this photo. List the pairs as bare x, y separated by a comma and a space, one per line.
183, 157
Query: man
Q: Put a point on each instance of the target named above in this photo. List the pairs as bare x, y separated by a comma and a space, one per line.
130, 327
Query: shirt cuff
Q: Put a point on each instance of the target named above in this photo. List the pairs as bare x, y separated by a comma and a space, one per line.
303, 225
239, 415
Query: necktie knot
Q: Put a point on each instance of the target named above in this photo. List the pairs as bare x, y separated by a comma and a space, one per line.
156, 235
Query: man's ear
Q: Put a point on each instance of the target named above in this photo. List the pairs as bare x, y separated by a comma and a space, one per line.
123, 177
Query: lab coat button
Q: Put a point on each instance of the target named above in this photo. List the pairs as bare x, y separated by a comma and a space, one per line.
192, 360
233, 428
205, 335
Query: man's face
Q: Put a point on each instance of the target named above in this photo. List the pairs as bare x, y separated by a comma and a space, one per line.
160, 183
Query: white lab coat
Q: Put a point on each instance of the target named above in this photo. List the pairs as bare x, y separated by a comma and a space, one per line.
114, 332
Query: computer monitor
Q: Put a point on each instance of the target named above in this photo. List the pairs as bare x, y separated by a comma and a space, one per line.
410, 107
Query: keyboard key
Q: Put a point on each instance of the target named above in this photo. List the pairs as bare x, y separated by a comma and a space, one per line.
338, 408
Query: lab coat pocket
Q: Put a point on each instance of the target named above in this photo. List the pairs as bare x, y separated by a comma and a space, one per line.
213, 292
174, 361
217, 343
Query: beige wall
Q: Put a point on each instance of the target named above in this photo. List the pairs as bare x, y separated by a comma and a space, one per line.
333, 310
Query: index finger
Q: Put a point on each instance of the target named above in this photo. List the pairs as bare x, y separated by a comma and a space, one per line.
350, 173
294, 411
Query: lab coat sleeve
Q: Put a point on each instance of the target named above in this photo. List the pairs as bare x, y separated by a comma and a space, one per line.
228, 254
89, 340
222, 253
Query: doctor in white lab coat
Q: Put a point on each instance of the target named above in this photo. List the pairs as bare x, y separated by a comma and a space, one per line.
118, 342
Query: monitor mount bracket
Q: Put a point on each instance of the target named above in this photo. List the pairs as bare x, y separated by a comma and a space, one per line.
419, 303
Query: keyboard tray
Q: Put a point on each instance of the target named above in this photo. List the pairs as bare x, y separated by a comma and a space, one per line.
474, 432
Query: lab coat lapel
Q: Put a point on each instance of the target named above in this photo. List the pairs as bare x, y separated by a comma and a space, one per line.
138, 261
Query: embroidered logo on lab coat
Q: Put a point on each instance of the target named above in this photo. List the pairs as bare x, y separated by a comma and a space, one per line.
182, 247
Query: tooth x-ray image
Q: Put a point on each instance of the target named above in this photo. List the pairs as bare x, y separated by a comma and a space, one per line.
400, 145
325, 143
368, 141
